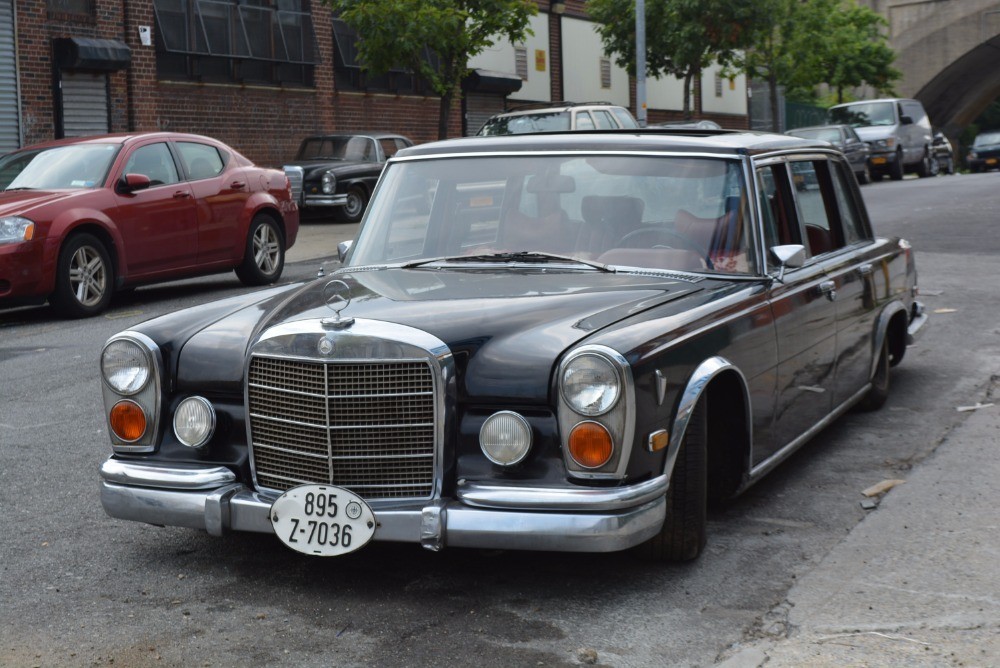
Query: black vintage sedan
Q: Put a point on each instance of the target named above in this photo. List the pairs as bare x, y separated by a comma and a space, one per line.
572, 342
336, 173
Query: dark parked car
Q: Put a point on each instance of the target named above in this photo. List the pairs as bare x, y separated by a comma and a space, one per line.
337, 173
985, 152
81, 218
943, 155
847, 140
563, 342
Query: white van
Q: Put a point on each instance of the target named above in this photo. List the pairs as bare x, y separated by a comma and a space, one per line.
898, 132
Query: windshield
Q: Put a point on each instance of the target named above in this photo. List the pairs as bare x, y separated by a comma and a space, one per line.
338, 148
665, 212
522, 124
865, 114
58, 168
987, 139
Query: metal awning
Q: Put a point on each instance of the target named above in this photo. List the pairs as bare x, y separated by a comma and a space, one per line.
87, 53
489, 81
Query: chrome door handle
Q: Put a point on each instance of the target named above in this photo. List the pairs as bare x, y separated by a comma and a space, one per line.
828, 288
181, 194
866, 269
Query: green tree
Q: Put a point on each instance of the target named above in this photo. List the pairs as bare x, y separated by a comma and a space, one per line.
394, 33
856, 51
682, 36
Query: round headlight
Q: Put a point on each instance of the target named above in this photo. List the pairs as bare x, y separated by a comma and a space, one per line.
505, 438
125, 366
329, 183
194, 422
591, 384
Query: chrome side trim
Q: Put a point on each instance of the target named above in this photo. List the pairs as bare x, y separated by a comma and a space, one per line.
166, 477
583, 499
768, 464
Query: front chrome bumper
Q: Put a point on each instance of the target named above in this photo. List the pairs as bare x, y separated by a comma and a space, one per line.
482, 516
324, 200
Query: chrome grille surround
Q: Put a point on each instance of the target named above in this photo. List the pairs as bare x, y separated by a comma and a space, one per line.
368, 416
296, 177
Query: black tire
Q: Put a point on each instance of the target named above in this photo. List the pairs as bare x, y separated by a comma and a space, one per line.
84, 277
896, 168
949, 167
264, 257
865, 175
683, 535
879, 392
354, 210
876, 177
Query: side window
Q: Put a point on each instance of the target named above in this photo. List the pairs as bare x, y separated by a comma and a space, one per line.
202, 161
604, 120
401, 144
388, 147
777, 206
851, 219
155, 162
816, 205
584, 121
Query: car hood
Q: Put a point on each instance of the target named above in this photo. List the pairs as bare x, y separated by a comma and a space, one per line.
23, 202
314, 168
505, 328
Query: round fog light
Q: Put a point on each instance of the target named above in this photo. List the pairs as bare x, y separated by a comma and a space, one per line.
505, 438
194, 422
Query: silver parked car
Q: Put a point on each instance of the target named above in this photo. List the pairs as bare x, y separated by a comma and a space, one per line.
847, 140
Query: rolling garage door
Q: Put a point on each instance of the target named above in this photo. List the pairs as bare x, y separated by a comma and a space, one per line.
84, 103
10, 127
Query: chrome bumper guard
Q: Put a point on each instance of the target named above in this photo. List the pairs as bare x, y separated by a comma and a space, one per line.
483, 516
918, 319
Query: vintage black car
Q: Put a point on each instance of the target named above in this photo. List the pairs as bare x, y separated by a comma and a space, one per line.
336, 173
569, 342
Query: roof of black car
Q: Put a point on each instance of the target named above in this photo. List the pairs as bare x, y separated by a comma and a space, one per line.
723, 142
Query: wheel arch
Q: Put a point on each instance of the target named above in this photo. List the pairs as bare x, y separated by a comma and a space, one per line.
730, 437
891, 323
102, 234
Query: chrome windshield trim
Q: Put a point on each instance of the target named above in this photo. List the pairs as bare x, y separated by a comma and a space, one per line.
511, 497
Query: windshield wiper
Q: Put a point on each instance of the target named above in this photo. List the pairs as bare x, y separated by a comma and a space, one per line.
7, 190
519, 256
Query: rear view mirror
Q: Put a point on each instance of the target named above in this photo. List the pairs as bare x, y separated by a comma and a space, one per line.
130, 183
791, 256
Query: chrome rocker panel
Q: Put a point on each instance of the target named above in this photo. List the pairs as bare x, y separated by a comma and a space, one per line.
584, 520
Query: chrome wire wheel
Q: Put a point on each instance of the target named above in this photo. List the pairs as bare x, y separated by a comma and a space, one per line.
266, 249
88, 276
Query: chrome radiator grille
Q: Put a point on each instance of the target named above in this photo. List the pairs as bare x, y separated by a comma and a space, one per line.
367, 426
296, 175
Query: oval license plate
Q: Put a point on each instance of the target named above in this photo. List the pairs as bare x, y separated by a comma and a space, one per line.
322, 520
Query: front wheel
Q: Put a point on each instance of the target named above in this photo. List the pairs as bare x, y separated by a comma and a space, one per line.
264, 257
84, 277
896, 168
683, 535
354, 209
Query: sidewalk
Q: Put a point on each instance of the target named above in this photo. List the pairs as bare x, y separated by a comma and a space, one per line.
917, 583
319, 239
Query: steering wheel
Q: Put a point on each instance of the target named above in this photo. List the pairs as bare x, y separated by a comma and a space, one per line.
664, 235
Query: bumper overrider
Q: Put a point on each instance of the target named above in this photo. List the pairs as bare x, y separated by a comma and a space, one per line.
480, 516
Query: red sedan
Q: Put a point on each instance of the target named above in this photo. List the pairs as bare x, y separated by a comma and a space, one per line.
81, 218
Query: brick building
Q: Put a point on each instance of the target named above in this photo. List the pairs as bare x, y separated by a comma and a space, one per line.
260, 74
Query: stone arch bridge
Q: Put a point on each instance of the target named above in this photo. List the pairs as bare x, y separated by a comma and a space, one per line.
949, 54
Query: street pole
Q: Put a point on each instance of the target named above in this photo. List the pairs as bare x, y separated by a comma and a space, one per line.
640, 61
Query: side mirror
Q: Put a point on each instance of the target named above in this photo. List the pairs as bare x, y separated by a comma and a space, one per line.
905, 120
791, 256
130, 183
343, 248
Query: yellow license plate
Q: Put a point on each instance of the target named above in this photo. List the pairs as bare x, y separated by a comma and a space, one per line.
878, 161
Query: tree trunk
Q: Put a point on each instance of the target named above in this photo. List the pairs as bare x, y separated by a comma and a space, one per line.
687, 95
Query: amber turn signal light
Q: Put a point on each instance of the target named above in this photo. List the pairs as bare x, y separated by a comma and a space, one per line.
128, 421
590, 445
